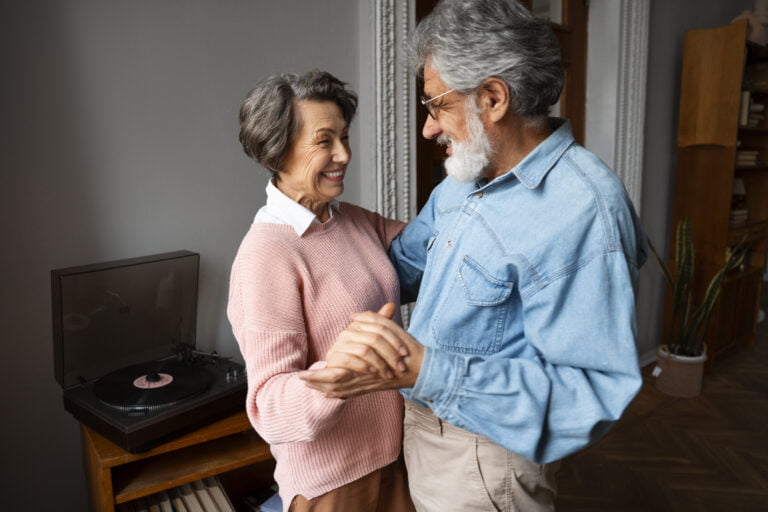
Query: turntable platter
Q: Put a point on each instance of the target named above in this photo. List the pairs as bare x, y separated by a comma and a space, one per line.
148, 386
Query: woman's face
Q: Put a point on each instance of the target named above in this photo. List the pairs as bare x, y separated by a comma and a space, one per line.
313, 171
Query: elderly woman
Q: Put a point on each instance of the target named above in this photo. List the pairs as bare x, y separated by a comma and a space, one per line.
306, 263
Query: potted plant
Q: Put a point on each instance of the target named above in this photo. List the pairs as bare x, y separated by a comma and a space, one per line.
681, 357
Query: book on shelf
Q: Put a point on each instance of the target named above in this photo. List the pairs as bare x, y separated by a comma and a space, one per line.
206, 495
744, 108
164, 501
747, 157
190, 498
217, 494
738, 217
177, 503
756, 74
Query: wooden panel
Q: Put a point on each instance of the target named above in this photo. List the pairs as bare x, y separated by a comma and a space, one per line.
722, 324
98, 476
756, 183
733, 318
117, 476
703, 188
429, 154
172, 469
744, 320
111, 455
711, 83
573, 45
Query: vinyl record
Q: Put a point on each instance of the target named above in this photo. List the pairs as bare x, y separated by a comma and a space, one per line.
151, 385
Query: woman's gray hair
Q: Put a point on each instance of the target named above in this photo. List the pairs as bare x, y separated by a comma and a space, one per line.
268, 118
468, 41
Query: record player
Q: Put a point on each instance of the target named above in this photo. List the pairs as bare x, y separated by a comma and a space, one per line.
124, 350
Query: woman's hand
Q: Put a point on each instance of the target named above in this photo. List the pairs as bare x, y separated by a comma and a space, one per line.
344, 383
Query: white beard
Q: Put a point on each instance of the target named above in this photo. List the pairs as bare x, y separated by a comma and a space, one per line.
469, 159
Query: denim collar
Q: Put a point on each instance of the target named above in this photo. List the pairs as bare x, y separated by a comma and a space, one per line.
535, 166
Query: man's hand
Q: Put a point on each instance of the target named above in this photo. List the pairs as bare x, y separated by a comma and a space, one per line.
372, 354
368, 348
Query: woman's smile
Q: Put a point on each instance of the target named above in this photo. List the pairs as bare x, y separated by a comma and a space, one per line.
334, 175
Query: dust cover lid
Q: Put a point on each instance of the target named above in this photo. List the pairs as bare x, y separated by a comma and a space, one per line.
110, 315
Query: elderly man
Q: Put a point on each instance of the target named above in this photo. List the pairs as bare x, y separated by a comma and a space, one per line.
521, 346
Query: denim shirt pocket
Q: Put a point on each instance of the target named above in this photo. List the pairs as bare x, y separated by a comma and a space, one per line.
472, 315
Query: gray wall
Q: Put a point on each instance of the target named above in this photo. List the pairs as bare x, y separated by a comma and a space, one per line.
119, 139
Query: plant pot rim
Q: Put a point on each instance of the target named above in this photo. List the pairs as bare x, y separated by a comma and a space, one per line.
664, 352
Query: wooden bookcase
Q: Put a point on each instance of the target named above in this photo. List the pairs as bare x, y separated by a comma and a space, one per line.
720, 67
116, 476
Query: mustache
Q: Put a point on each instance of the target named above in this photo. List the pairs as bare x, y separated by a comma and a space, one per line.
443, 140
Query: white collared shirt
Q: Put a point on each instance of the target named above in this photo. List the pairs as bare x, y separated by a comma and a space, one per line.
281, 209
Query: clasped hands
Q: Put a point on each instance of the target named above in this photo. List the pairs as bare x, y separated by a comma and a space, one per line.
372, 354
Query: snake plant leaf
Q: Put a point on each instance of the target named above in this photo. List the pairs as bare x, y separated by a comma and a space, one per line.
688, 325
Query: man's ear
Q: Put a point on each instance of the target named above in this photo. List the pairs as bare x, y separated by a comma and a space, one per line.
494, 98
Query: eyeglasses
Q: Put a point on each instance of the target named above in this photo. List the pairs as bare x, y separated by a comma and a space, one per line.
432, 109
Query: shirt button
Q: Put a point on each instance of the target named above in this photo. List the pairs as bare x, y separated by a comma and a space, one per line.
479, 195
449, 244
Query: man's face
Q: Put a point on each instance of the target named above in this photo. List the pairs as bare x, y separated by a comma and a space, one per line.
450, 120
459, 128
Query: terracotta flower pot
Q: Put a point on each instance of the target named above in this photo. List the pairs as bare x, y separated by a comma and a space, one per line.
679, 375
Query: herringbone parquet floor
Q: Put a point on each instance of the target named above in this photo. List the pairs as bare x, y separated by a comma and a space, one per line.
703, 454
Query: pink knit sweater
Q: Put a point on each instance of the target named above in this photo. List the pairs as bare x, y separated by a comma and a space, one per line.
289, 298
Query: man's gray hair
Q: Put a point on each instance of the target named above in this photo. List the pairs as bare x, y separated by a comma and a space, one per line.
268, 118
467, 41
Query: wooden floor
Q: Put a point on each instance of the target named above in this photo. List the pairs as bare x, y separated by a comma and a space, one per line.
708, 453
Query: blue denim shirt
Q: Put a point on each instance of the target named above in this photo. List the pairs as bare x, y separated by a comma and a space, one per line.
526, 300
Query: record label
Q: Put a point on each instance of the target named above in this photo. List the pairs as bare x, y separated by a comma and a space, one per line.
152, 381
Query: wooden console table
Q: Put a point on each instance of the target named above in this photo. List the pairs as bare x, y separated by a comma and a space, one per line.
116, 476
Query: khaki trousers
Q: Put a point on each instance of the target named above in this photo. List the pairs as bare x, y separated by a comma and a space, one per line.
384, 490
452, 469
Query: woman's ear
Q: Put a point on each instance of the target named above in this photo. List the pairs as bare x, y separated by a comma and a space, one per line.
494, 98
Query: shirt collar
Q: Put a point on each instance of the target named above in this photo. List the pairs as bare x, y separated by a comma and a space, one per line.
535, 166
288, 211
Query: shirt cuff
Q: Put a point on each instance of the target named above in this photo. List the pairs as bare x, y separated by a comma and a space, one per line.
439, 379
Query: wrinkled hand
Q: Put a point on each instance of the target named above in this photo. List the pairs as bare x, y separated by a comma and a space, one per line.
344, 383
367, 348
373, 353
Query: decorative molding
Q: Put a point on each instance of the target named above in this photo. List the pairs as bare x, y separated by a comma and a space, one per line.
393, 86
630, 121
393, 125
405, 125
385, 108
